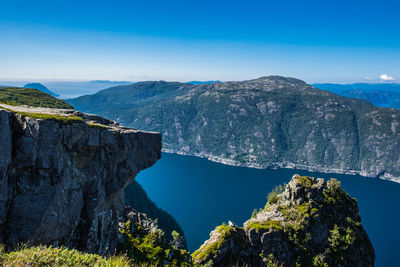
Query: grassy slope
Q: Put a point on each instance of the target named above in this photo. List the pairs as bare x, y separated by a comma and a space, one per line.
49, 256
25, 96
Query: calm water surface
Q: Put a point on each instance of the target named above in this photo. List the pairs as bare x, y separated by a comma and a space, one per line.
201, 195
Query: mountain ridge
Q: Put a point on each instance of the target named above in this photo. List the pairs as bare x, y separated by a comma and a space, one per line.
264, 123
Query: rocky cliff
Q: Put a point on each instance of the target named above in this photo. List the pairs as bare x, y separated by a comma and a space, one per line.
311, 223
63, 175
269, 122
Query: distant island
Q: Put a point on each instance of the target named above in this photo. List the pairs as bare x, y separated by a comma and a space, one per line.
40, 87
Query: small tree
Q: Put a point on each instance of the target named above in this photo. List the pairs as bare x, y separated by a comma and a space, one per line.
177, 240
273, 196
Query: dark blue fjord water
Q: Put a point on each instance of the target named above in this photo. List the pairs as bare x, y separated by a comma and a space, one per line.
201, 195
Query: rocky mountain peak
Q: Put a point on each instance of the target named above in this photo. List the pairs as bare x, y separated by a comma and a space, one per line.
265, 84
277, 78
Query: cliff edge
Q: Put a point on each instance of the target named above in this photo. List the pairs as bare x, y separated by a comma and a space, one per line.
63, 175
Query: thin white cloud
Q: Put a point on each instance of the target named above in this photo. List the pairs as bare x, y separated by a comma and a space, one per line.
385, 77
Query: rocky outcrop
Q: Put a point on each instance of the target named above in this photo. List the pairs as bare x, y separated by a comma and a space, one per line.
311, 223
63, 175
141, 240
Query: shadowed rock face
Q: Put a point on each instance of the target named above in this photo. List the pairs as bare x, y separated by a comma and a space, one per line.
63, 183
311, 223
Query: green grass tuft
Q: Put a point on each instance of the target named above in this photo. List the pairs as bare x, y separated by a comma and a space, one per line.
50, 256
44, 116
264, 225
204, 252
59, 118
97, 125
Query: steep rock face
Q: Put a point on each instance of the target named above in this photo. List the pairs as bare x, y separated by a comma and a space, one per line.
62, 182
268, 122
311, 223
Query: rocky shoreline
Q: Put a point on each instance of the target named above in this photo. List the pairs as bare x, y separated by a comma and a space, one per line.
281, 165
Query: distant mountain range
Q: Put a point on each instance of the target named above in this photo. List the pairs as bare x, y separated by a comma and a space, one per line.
379, 94
71, 89
265, 123
205, 82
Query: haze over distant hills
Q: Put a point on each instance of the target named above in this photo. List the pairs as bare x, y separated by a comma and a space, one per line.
266, 123
204, 82
71, 89
379, 94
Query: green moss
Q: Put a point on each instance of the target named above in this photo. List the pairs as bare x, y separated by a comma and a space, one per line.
211, 249
24, 96
97, 125
296, 212
49, 256
207, 251
58, 118
264, 225
43, 116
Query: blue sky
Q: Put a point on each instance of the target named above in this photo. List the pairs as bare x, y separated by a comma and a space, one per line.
317, 41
